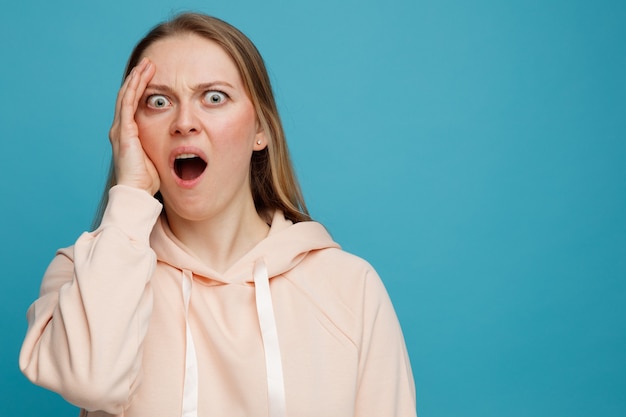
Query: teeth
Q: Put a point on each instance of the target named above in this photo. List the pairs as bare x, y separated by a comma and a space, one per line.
187, 156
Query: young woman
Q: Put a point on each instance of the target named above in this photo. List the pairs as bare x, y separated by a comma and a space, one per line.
206, 290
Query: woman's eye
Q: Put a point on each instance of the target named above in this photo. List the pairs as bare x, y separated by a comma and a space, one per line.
158, 101
214, 97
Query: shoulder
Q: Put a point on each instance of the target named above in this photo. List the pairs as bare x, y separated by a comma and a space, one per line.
339, 273
336, 261
343, 261
342, 288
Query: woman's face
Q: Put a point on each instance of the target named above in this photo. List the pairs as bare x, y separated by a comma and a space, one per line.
198, 126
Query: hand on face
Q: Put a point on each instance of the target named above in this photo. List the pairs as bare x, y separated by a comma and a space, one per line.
132, 166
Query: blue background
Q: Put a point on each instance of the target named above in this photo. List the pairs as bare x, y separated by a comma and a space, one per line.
473, 152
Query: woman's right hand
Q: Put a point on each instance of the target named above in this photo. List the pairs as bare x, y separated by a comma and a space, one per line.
132, 165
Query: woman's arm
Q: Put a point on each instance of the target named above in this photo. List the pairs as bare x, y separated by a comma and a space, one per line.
86, 329
386, 385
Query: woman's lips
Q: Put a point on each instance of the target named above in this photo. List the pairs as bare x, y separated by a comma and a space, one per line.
188, 165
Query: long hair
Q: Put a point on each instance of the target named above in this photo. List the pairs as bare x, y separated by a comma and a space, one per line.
272, 178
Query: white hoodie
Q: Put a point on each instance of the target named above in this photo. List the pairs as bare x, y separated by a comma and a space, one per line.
129, 323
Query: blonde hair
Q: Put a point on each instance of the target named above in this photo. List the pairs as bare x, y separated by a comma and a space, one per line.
272, 179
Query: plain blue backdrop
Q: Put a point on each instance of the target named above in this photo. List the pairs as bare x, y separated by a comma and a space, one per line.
473, 152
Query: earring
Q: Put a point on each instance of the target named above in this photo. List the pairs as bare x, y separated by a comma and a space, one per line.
258, 142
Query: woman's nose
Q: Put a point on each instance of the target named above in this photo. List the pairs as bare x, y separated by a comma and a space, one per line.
185, 122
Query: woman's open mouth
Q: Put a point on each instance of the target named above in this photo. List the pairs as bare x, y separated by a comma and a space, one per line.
189, 166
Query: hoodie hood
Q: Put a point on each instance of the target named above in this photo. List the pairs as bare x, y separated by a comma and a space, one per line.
284, 247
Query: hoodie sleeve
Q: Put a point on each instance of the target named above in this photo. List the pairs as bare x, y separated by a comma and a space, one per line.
386, 386
86, 329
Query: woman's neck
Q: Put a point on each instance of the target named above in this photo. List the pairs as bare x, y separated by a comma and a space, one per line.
221, 240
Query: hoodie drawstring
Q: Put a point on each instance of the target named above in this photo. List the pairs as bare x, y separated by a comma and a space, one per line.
269, 334
190, 387
267, 322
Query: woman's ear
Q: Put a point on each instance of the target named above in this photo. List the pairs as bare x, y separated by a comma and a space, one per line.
260, 142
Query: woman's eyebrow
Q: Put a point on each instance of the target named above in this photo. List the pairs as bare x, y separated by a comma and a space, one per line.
198, 87
213, 84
